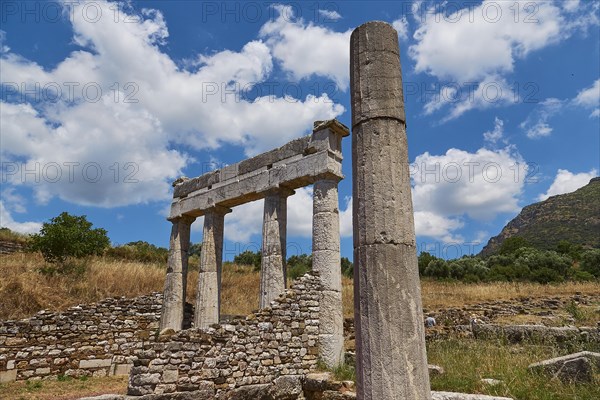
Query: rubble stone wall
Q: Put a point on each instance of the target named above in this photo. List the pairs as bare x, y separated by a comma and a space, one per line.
278, 342
87, 340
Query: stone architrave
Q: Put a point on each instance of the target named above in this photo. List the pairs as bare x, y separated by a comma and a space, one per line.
326, 261
208, 297
390, 341
273, 270
177, 269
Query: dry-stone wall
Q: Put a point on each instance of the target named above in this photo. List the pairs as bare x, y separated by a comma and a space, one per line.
274, 346
7, 247
94, 339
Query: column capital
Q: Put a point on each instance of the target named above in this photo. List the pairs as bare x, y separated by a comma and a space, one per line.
330, 178
218, 210
186, 219
281, 191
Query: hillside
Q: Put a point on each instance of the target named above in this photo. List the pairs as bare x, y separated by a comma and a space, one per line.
574, 217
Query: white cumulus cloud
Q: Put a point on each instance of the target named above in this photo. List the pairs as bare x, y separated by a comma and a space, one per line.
567, 181
590, 98
123, 106
458, 184
7, 221
305, 49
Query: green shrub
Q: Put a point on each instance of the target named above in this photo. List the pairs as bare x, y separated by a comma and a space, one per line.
590, 262
347, 267
139, 251
68, 236
299, 265
512, 244
423, 260
249, 258
438, 268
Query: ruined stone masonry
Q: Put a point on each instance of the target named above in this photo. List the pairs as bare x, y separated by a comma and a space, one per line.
247, 355
88, 340
272, 176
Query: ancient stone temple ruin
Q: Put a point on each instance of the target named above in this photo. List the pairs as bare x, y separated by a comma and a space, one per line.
272, 176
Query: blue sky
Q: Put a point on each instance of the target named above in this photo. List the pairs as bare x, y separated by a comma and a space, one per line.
104, 104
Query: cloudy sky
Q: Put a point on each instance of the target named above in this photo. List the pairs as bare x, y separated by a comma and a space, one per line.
104, 104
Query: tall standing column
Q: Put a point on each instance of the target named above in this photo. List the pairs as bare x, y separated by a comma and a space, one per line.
326, 261
273, 263
390, 340
176, 280
208, 297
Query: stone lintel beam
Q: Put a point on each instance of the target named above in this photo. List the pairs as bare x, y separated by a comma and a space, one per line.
273, 271
297, 173
208, 297
295, 149
176, 279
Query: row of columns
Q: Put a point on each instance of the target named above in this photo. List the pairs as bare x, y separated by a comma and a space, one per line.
326, 261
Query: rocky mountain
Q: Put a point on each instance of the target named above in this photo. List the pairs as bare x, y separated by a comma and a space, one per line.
572, 216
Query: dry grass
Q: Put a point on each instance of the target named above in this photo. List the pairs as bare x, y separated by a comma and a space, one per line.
443, 294
24, 290
65, 389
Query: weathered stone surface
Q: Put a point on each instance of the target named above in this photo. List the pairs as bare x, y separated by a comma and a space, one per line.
208, 298
535, 333
391, 361
299, 163
176, 280
250, 392
435, 370
326, 262
287, 388
573, 367
8, 376
97, 363
273, 262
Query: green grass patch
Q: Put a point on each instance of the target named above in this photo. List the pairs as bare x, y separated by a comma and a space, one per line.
466, 362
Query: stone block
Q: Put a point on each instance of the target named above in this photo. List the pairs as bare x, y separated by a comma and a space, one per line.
95, 363
121, 369
8, 376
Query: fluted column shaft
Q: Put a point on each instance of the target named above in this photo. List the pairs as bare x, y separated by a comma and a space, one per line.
326, 261
273, 262
390, 340
208, 296
176, 281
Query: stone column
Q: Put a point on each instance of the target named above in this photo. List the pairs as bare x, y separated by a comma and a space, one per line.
326, 261
176, 281
273, 264
208, 296
390, 339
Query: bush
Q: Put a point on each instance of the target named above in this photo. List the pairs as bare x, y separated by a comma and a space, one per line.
347, 267
298, 265
590, 262
248, 258
544, 264
583, 276
512, 244
423, 260
68, 236
139, 251
438, 268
